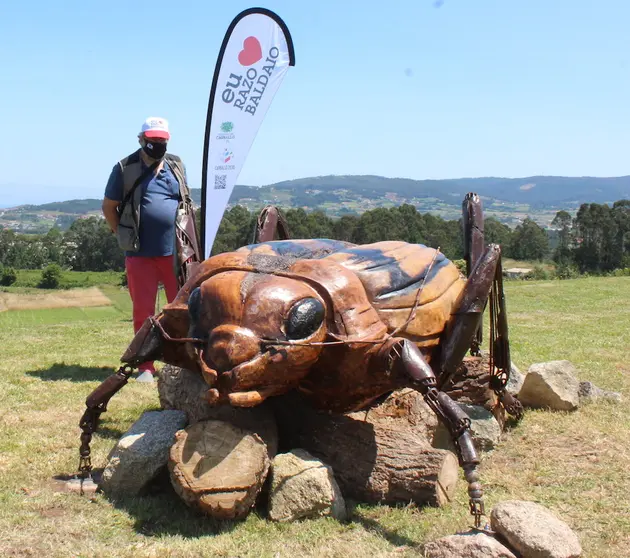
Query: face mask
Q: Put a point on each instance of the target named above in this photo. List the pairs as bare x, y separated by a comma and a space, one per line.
154, 150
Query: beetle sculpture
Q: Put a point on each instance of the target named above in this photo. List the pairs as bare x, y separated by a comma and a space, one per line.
344, 324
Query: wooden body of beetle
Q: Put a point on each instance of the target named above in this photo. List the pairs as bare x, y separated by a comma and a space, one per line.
342, 323
310, 314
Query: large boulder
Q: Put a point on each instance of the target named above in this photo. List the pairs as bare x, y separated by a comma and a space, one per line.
534, 531
467, 545
303, 486
141, 452
551, 385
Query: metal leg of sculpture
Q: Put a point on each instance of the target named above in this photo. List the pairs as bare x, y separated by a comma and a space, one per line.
474, 247
485, 282
270, 224
467, 319
455, 420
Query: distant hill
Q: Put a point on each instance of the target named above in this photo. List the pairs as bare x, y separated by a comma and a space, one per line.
537, 191
79, 207
508, 199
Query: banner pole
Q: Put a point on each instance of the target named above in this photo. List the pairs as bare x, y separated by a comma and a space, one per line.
279, 27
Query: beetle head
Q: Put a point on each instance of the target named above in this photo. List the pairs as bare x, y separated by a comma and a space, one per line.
252, 332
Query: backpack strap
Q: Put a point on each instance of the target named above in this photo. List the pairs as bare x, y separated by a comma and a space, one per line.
129, 194
178, 170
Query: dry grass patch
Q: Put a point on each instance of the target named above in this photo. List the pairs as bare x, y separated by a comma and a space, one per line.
75, 298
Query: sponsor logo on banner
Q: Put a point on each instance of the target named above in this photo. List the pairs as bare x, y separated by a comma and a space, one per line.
245, 89
226, 131
225, 159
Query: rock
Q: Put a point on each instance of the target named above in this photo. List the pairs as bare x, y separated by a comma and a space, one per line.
551, 385
303, 486
515, 383
142, 451
534, 531
484, 428
589, 392
517, 272
467, 545
183, 389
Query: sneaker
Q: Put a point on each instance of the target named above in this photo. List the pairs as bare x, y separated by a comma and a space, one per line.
146, 377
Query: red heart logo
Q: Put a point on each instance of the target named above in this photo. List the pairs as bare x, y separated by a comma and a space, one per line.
251, 53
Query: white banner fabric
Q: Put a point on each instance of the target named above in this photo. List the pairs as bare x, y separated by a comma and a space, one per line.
254, 62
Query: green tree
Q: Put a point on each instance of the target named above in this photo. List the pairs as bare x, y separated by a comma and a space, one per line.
496, 232
9, 276
344, 228
621, 215
377, 225
597, 236
298, 223
563, 222
51, 277
89, 245
529, 241
7, 240
412, 226
53, 244
235, 230
319, 225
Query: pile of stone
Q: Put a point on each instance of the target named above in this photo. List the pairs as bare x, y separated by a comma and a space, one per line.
224, 483
518, 528
555, 385
224, 460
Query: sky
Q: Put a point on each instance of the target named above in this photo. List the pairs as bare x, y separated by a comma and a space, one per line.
406, 88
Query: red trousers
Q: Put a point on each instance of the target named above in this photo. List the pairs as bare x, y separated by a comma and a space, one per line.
143, 277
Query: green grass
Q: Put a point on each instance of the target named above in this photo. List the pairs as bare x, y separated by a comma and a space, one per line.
28, 279
577, 464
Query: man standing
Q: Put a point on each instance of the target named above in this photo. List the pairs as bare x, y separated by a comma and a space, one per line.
140, 206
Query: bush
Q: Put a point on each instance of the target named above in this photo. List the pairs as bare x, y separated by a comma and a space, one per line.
51, 277
9, 276
625, 272
461, 265
123, 279
540, 273
564, 271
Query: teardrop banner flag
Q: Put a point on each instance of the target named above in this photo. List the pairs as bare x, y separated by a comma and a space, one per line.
255, 55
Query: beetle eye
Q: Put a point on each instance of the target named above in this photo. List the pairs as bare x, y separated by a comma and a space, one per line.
194, 305
304, 318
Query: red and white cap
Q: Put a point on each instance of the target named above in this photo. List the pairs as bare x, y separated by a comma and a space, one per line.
155, 127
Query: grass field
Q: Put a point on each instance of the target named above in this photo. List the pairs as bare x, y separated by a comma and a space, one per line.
577, 464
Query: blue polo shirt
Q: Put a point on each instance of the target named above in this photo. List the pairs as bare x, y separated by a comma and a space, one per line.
160, 197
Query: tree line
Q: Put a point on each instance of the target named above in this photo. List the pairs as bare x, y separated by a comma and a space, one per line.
596, 240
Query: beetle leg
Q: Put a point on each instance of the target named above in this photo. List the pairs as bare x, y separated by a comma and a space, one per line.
449, 413
270, 224
474, 247
145, 346
466, 320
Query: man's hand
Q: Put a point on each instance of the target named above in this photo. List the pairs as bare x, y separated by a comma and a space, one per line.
111, 214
